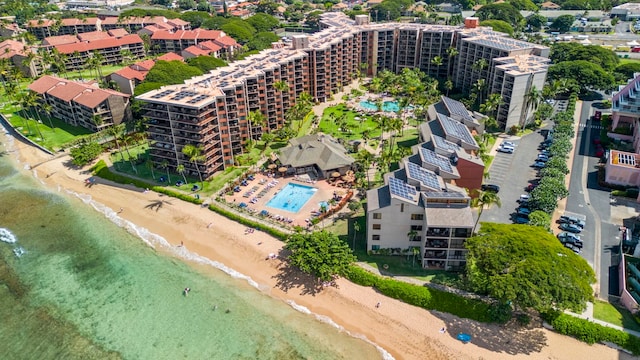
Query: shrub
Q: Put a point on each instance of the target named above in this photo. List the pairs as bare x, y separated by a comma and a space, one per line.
590, 332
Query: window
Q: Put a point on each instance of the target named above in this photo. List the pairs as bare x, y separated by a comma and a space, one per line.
375, 237
417, 216
416, 227
375, 247
377, 216
376, 226
401, 207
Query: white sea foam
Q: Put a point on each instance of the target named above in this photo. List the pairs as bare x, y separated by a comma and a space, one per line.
154, 240
327, 320
7, 236
19, 251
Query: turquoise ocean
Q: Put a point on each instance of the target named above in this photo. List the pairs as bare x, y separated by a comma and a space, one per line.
77, 282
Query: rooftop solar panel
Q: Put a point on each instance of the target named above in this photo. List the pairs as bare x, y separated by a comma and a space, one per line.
426, 177
444, 194
456, 107
456, 129
401, 189
430, 157
445, 144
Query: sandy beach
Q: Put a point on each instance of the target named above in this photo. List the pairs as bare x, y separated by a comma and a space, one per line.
405, 331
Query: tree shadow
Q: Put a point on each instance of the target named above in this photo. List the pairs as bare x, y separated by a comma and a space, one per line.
290, 277
157, 204
511, 338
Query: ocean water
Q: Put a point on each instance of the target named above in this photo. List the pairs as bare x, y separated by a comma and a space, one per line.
75, 284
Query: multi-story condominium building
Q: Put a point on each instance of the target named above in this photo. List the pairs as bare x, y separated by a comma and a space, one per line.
417, 209
113, 50
164, 41
623, 168
130, 76
319, 64
82, 104
19, 55
43, 28
425, 204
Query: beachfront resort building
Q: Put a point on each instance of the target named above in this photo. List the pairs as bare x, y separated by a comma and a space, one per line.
211, 110
82, 104
22, 56
131, 76
425, 204
623, 167
176, 41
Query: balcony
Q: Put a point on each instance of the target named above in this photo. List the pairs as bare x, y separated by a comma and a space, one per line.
438, 232
429, 254
438, 244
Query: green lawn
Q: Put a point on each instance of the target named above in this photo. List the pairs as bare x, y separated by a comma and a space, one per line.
614, 315
354, 127
52, 138
91, 74
628, 60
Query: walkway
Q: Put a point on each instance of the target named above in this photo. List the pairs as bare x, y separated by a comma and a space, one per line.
588, 315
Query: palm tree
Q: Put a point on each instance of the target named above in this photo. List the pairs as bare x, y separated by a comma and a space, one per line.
416, 252
448, 85
412, 234
365, 160
47, 109
150, 165
165, 165
532, 99
478, 89
437, 61
485, 198
256, 120
180, 169
78, 62
356, 228
491, 105
194, 153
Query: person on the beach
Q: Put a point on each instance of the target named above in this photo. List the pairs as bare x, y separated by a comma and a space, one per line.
186, 291
208, 226
121, 210
378, 305
443, 330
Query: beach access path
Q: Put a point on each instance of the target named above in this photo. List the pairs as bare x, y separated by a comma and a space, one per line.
405, 331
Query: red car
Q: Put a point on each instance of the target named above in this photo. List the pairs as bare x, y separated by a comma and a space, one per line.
530, 187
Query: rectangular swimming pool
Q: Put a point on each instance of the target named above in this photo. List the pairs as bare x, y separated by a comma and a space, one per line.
292, 197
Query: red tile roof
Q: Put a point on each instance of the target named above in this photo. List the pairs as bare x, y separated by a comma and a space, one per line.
226, 41
118, 33
178, 22
99, 44
85, 21
145, 65
170, 56
197, 34
93, 36
10, 48
210, 45
194, 50
66, 90
92, 98
129, 73
36, 23
60, 40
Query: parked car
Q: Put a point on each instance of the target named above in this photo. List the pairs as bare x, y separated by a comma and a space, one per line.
523, 211
543, 158
506, 149
524, 198
538, 164
521, 219
546, 153
566, 219
490, 187
572, 238
571, 228
572, 247
508, 143
530, 187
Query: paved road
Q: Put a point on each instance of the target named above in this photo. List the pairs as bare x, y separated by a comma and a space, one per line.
586, 197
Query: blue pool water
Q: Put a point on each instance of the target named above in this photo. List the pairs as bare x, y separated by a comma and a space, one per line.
292, 197
386, 106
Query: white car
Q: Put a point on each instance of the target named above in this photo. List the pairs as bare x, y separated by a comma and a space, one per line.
508, 143
506, 149
524, 198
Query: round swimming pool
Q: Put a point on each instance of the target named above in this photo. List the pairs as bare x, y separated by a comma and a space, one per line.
386, 106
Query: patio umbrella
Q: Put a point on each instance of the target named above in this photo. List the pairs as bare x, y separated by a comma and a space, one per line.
335, 174
272, 166
282, 169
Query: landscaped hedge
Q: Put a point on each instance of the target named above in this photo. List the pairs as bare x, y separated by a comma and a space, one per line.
248, 222
590, 332
427, 298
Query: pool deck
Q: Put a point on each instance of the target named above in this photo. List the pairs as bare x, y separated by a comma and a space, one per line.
271, 186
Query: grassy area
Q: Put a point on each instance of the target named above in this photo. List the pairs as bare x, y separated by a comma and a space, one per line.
615, 315
52, 138
628, 61
408, 139
354, 127
88, 74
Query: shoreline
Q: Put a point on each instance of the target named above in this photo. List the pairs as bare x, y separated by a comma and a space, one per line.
405, 331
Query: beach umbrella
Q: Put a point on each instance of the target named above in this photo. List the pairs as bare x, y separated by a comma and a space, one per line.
282, 169
335, 174
272, 166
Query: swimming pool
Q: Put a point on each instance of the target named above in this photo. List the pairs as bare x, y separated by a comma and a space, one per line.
386, 106
292, 197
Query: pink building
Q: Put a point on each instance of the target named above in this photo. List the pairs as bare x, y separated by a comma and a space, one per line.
623, 168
